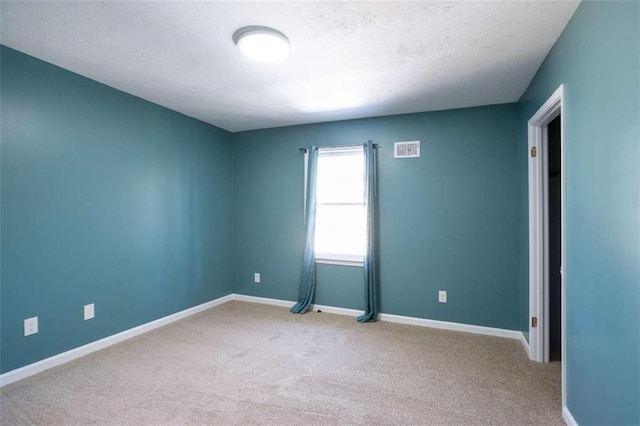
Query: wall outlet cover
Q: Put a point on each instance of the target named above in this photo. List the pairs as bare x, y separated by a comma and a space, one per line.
442, 296
30, 326
256, 277
89, 311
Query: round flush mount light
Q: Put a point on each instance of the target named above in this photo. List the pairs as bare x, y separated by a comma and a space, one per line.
262, 44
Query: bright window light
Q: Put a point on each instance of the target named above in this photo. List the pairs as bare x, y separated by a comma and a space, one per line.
340, 206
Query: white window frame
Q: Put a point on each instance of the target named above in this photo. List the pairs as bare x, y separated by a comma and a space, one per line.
335, 258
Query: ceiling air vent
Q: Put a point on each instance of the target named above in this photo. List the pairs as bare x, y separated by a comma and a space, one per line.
409, 149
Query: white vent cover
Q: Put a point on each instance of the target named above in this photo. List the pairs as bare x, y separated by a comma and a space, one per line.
409, 149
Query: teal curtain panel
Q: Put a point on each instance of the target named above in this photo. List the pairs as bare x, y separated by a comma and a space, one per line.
370, 256
307, 285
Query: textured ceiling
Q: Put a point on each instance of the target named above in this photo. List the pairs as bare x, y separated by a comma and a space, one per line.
350, 59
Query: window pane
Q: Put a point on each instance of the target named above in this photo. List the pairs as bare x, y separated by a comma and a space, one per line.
340, 229
340, 177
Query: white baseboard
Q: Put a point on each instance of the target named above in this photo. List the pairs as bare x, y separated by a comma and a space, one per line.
445, 325
568, 418
338, 311
525, 344
289, 304
262, 300
70, 355
453, 326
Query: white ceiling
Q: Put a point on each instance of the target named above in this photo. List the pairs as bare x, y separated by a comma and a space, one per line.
350, 59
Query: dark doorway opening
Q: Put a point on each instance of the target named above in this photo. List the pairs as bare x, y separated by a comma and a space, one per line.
555, 240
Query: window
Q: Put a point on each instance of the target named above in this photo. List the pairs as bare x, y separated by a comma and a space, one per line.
340, 206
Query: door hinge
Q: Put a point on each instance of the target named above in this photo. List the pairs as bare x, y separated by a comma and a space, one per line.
534, 322
534, 152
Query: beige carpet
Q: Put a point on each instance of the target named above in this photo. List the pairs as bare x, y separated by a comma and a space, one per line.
242, 363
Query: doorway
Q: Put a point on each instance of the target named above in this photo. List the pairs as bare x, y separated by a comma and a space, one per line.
554, 233
547, 233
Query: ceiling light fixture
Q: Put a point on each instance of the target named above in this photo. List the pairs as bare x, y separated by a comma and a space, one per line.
262, 44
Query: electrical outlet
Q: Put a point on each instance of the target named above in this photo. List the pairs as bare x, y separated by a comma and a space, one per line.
30, 326
89, 311
442, 296
256, 277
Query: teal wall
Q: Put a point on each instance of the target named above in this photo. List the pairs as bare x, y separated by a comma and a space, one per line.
597, 58
106, 199
523, 223
448, 220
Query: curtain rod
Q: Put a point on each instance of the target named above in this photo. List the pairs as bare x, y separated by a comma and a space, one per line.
303, 149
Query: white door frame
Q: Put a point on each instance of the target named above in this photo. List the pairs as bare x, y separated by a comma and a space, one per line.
539, 230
